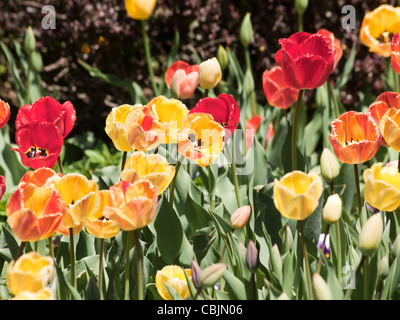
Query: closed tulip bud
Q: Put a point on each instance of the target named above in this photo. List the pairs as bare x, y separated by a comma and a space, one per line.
332, 209
276, 261
246, 31
196, 272
371, 235
288, 240
384, 268
248, 82
252, 256
329, 165
240, 217
210, 275
29, 41
36, 61
210, 73
396, 247
222, 57
301, 6
321, 289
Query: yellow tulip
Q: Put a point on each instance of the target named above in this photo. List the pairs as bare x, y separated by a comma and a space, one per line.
382, 187
31, 272
169, 112
297, 194
390, 128
140, 9
42, 294
97, 224
210, 73
134, 128
152, 167
82, 198
173, 276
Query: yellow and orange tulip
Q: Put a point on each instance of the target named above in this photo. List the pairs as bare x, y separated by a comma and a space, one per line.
152, 167
132, 205
39, 177
174, 276
5, 113
355, 137
296, 194
140, 9
390, 128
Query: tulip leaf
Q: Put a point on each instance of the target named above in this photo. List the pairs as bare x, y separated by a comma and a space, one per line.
236, 288
11, 242
169, 232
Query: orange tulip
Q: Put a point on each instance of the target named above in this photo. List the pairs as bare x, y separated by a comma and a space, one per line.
390, 128
355, 137
97, 224
376, 28
201, 138
132, 205
395, 58
4, 113
35, 213
39, 177
152, 167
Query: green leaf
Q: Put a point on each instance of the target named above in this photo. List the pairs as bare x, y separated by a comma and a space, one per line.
235, 287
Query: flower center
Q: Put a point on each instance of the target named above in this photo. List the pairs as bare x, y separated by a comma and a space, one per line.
197, 143
36, 152
385, 37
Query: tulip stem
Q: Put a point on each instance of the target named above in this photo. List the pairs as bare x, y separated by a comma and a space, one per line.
338, 252
304, 247
124, 155
205, 93
322, 248
127, 247
294, 130
211, 187
101, 268
51, 249
20, 249
72, 257
233, 167
139, 266
60, 166
333, 96
350, 290
148, 57
358, 194
171, 192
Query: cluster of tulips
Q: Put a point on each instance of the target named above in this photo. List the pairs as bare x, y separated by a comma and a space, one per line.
48, 203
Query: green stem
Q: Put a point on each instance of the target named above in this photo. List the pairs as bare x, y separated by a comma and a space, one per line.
304, 248
294, 130
171, 192
51, 249
206, 93
233, 168
350, 290
333, 96
339, 253
127, 247
28, 85
72, 257
124, 156
211, 187
254, 286
139, 266
358, 193
101, 268
300, 22
60, 166
148, 57
366, 279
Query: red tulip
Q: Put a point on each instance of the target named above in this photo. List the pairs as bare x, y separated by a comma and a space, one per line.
224, 110
39, 144
306, 60
4, 113
182, 78
395, 59
276, 90
250, 130
2, 186
48, 110
335, 43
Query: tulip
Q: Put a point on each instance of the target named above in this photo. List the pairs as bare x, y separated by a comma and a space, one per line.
132, 205
355, 137
39, 177
222, 57
210, 73
371, 235
384, 268
252, 260
170, 113
329, 165
152, 167
134, 128
224, 110
31, 272
376, 28
42, 294
240, 217
390, 128
196, 271
182, 78
334, 42
173, 276
278, 93
301, 6
29, 41
2, 186
34, 213
332, 210
382, 187
321, 289
201, 138
395, 57
210, 275
246, 31
5, 113
306, 60
140, 9
297, 194
251, 128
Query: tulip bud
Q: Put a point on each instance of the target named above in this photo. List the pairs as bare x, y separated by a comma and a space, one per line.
210, 73
321, 289
248, 82
196, 272
332, 209
301, 6
36, 61
329, 165
371, 235
246, 31
252, 256
222, 57
210, 275
288, 240
384, 268
396, 247
240, 217
29, 41
276, 261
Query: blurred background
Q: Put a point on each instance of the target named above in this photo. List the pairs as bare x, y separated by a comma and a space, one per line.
101, 34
